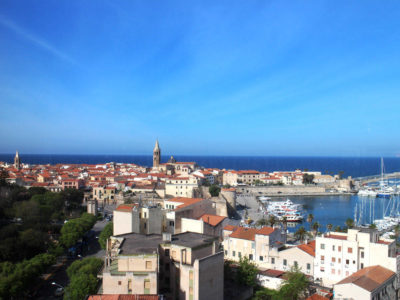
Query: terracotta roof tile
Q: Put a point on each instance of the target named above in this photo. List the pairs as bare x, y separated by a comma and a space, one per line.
265, 230
309, 248
369, 278
126, 207
230, 227
123, 297
185, 201
335, 236
213, 220
244, 233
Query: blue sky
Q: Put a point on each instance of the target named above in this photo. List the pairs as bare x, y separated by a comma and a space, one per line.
204, 77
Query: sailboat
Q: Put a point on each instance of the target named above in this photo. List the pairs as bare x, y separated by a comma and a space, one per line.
385, 191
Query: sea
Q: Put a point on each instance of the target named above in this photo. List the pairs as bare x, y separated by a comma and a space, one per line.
332, 209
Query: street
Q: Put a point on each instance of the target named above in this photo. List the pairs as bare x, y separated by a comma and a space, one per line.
59, 274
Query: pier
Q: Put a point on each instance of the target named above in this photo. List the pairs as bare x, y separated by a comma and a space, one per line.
374, 178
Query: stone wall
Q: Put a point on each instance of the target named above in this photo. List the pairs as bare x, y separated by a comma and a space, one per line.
277, 190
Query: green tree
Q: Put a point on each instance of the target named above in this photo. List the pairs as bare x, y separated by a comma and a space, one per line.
272, 220
308, 178
296, 285
301, 234
337, 229
262, 222
80, 286
89, 265
315, 227
247, 272
310, 218
214, 190
372, 226
349, 223
105, 235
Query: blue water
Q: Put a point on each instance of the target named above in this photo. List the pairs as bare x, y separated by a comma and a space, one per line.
352, 166
336, 209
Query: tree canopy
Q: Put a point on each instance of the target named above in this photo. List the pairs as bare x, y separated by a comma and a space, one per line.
105, 235
214, 190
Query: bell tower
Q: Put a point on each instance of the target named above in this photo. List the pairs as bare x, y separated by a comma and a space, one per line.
156, 155
17, 161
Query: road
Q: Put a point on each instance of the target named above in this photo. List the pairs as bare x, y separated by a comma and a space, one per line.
59, 274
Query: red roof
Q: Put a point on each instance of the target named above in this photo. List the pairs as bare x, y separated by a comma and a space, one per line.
272, 273
213, 220
126, 207
319, 297
250, 233
309, 248
186, 201
369, 278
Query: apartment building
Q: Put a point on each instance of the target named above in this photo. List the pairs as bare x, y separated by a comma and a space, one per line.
338, 255
182, 266
234, 178
259, 245
370, 283
181, 186
134, 218
182, 207
301, 256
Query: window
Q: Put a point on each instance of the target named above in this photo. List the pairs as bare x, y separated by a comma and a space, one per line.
339, 260
362, 266
322, 246
333, 271
285, 262
147, 286
333, 259
226, 252
250, 256
261, 258
119, 282
354, 262
322, 259
240, 254
322, 269
347, 261
296, 264
333, 248
339, 248
233, 253
166, 252
148, 265
272, 260
362, 254
308, 266
349, 250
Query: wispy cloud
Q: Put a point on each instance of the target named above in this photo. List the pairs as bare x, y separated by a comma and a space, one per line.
37, 41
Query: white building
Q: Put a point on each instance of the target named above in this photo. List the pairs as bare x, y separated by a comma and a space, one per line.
370, 283
338, 255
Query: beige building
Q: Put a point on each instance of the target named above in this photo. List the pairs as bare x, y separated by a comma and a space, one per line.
189, 208
133, 218
181, 186
370, 283
234, 178
338, 255
259, 245
301, 256
182, 266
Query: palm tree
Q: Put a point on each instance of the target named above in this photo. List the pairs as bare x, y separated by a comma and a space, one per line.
315, 227
301, 233
397, 232
284, 223
310, 218
272, 220
329, 227
338, 229
349, 223
262, 222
